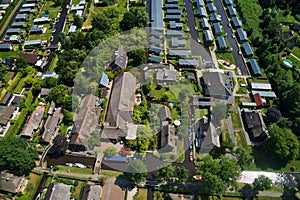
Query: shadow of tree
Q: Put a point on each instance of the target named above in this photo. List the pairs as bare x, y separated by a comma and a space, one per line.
248, 191
123, 183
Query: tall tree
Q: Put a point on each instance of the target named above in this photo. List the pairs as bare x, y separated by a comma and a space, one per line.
136, 171
17, 156
244, 158
60, 146
273, 115
166, 173
262, 183
134, 18
182, 174
58, 94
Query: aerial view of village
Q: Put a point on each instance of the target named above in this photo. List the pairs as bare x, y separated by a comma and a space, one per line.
149, 99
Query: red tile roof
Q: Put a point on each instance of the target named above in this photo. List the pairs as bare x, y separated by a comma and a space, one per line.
30, 58
258, 100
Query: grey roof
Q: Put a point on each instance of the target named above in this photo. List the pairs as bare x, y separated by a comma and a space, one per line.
201, 12
120, 58
11, 31
175, 25
173, 17
199, 3
221, 42
28, 5
155, 49
253, 124
6, 98
18, 24
242, 35
35, 29
12, 38
77, 7
174, 11
172, 1
228, 2
269, 94
26, 10
174, 33
5, 114
44, 92
208, 36
211, 140
231, 11
171, 5
86, 121
168, 138
155, 41
11, 183
51, 125
122, 101
16, 100
254, 67
156, 14
104, 80
168, 74
164, 113
58, 191
218, 29
156, 33
72, 28
261, 86
20, 16
41, 20
6, 46
189, 62
236, 22
177, 52
51, 108
247, 49
176, 42
214, 85
204, 23
214, 18
33, 42
202, 101
91, 192
211, 7
34, 121
155, 59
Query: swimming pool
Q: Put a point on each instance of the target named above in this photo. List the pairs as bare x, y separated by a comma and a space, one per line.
288, 63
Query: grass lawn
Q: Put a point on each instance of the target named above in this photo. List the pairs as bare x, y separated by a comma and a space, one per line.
240, 139
285, 18
268, 198
18, 89
141, 194
199, 113
110, 173
53, 63
225, 56
176, 89
8, 76
32, 185
75, 169
180, 151
43, 36
242, 90
75, 2
6, 54
53, 11
236, 120
159, 93
76, 194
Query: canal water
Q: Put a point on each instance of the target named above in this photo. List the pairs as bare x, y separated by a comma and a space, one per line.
68, 158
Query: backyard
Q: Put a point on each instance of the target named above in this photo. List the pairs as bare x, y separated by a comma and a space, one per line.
236, 120
32, 185
75, 169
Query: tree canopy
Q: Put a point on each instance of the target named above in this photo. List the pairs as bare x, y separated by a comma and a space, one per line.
110, 151
166, 173
244, 158
58, 94
136, 171
17, 156
273, 115
134, 18
60, 146
262, 183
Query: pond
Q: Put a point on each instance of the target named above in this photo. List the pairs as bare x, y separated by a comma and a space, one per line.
288, 63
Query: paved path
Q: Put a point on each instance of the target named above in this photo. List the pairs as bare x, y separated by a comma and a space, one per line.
295, 57
231, 131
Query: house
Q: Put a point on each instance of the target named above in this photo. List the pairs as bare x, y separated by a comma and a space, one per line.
51, 126
242, 35
41, 20
174, 33
76, 7
168, 139
18, 25
259, 101
118, 120
199, 3
72, 29
156, 15
44, 92
204, 23
11, 183
49, 74
13, 31
119, 59
16, 100
202, 101
6, 99
104, 80
267, 94
214, 85
221, 42
79, 13
31, 58
228, 2
155, 59
166, 75
59, 191
176, 42
215, 18
156, 33
201, 12
236, 22
254, 125
6, 113
172, 1
231, 11
92, 191
188, 62
28, 5
261, 86
35, 29
169, 17
32, 43
179, 52
12, 39
218, 30
176, 25
211, 7
208, 37
173, 11
26, 10
156, 50
171, 5
6, 47
34, 121
254, 67
86, 122
247, 50
51, 108
21, 17
164, 114
156, 42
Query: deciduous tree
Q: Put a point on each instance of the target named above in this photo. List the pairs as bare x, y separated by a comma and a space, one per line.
136, 171
262, 183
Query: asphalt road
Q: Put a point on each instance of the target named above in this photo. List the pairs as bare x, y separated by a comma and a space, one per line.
239, 60
196, 48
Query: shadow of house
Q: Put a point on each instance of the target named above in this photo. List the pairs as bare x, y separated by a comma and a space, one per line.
254, 125
91, 191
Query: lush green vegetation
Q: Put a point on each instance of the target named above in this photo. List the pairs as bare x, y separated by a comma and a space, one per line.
75, 169
32, 185
236, 120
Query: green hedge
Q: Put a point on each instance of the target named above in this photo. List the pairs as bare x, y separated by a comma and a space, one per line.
15, 82
18, 124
